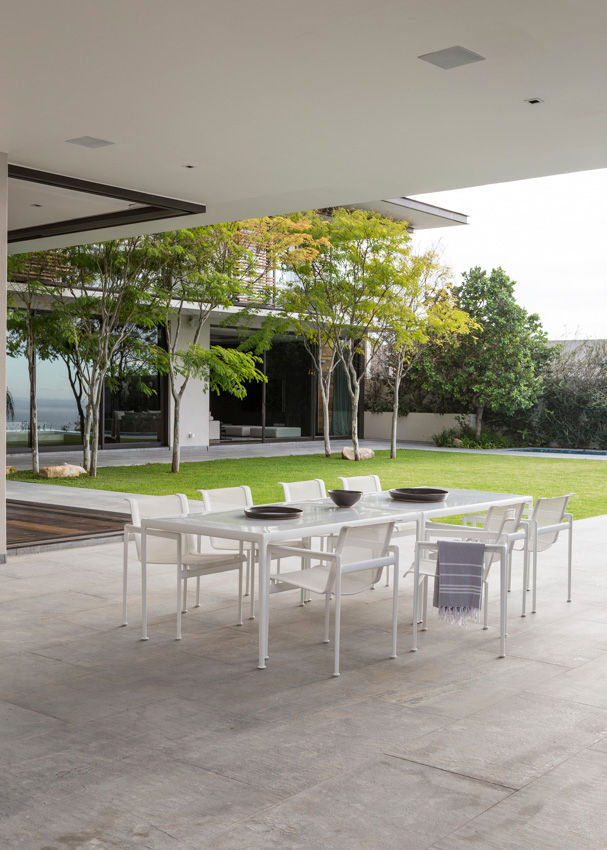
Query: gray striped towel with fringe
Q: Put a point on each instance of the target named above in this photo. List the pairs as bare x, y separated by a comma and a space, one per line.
458, 584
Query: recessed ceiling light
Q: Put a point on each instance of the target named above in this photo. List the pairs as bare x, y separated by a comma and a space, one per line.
534, 100
35, 205
89, 142
451, 57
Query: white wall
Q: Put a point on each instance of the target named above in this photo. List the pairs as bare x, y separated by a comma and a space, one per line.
195, 403
416, 427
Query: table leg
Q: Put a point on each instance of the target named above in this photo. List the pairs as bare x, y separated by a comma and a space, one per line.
415, 598
144, 586
263, 604
503, 600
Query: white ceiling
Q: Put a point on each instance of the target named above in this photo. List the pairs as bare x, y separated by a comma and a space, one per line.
284, 105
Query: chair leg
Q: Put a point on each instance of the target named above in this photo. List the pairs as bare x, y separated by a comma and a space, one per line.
569, 557
197, 592
395, 610
327, 617
240, 576
387, 577
252, 591
125, 568
534, 599
424, 622
184, 608
337, 623
247, 580
179, 580
525, 576
509, 570
486, 606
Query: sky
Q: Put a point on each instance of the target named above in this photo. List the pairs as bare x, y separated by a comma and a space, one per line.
548, 234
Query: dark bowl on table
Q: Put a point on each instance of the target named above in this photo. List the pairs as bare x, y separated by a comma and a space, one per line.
345, 498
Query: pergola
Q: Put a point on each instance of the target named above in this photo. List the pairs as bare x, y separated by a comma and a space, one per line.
122, 118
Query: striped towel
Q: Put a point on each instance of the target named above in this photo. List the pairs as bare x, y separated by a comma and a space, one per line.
458, 584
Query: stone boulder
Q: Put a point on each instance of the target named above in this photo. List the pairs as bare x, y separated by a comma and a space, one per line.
365, 454
63, 470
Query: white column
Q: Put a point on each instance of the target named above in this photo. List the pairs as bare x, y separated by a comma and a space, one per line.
3, 246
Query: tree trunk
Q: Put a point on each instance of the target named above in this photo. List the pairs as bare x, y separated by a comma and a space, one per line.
326, 422
355, 395
394, 424
86, 437
31, 366
176, 448
480, 409
397, 380
94, 441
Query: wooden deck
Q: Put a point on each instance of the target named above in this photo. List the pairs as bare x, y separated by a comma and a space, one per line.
39, 524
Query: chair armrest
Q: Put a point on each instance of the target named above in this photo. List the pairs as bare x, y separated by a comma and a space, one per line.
275, 550
467, 531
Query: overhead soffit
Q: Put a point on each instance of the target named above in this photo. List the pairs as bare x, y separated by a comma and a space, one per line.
280, 111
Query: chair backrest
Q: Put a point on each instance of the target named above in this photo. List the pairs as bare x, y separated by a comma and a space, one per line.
548, 511
225, 499
364, 483
504, 519
160, 550
359, 543
303, 491
501, 520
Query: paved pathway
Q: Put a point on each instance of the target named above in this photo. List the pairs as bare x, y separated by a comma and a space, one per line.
165, 745
136, 457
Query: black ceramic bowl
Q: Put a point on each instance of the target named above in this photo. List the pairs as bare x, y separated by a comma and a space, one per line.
345, 498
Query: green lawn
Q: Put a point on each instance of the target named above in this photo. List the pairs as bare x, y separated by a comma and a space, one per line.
502, 473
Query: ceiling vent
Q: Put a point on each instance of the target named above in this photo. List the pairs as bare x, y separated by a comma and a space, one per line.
89, 142
451, 57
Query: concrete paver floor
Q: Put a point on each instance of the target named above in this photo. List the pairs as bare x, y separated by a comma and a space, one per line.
108, 742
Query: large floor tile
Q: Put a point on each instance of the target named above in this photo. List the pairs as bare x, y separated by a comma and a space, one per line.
386, 804
512, 741
564, 809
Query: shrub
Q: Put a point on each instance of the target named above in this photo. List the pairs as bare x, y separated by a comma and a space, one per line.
463, 438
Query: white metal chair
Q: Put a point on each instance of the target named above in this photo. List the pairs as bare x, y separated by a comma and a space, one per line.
181, 550
502, 526
492, 551
361, 553
372, 484
304, 491
364, 483
548, 519
226, 499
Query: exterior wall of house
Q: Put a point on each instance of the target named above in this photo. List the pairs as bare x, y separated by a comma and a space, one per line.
194, 424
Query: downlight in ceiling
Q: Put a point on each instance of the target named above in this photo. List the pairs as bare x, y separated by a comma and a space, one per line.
451, 57
89, 142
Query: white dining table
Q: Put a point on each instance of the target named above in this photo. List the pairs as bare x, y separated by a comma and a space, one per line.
321, 518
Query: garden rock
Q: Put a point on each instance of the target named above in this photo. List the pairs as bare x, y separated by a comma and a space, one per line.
63, 470
365, 454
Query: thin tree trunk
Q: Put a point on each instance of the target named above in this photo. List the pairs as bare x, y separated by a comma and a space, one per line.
396, 389
326, 424
355, 401
176, 448
95, 432
31, 366
86, 440
480, 409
